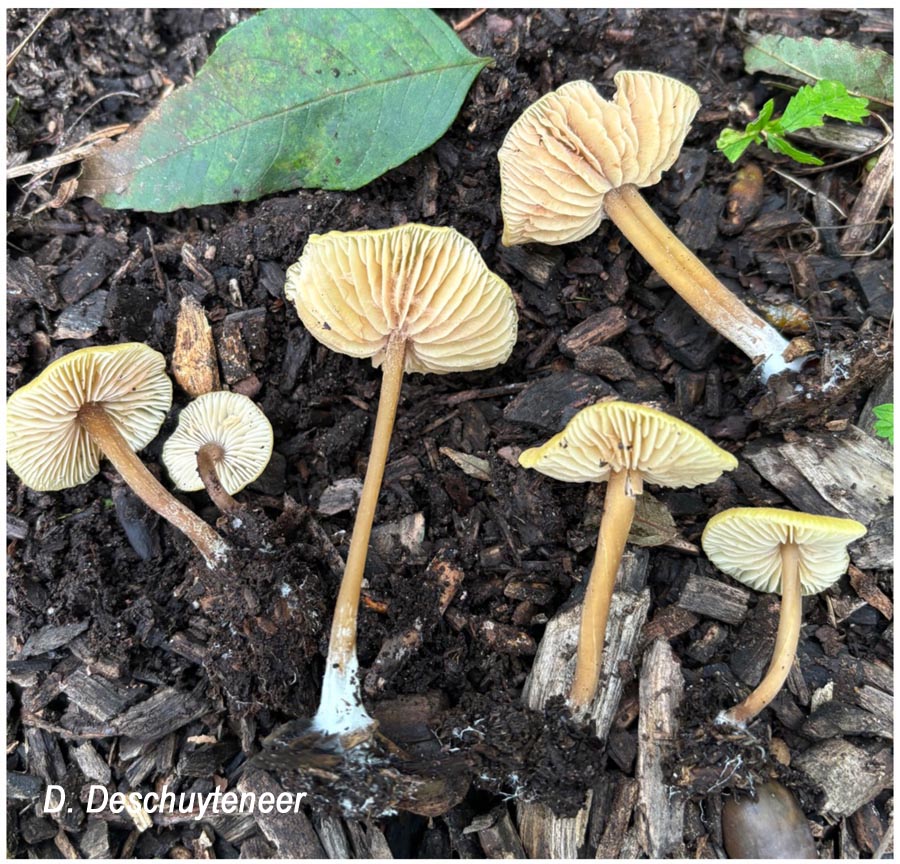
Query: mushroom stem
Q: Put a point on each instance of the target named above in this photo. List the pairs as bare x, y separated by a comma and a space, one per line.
786, 640
100, 426
618, 513
340, 709
207, 457
693, 281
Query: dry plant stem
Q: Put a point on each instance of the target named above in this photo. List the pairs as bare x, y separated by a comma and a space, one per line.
618, 514
342, 644
693, 281
786, 640
207, 457
103, 431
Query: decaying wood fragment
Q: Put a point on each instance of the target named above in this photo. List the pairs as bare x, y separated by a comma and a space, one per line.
660, 812
713, 598
849, 776
848, 474
293, 837
862, 220
621, 810
545, 835
194, 363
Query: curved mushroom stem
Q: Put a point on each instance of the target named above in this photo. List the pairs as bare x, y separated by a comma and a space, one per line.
786, 640
207, 457
340, 708
104, 432
622, 489
693, 281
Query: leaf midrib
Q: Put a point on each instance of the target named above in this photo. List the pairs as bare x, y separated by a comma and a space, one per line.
286, 111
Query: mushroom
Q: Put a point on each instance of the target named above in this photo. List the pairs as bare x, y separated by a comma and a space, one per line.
767, 826
412, 298
109, 401
624, 445
573, 157
787, 553
223, 442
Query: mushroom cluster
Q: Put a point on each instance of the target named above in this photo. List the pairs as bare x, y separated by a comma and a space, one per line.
104, 401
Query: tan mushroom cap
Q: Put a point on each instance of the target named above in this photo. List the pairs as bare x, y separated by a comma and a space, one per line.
745, 542
46, 445
230, 420
572, 146
354, 290
615, 436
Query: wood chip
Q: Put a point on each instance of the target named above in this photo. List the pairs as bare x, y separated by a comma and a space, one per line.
849, 776
473, 466
660, 812
164, 712
340, 496
866, 586
194, 363
51, 637
712, 598
293, 837
83, 319
593, 331
864, 215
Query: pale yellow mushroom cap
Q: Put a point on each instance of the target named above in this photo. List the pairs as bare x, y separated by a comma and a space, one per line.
47, 446
619, 436
745, 542
354, 290
230, 420
572, 146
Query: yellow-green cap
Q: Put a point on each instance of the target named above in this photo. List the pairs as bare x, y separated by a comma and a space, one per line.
745, 542
618, 436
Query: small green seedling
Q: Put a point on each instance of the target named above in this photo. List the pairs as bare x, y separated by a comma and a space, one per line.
884, 421
808, 107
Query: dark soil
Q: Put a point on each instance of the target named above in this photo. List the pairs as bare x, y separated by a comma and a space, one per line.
99, 588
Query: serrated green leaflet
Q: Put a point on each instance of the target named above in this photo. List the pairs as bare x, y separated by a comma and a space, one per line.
313, 98
865, 72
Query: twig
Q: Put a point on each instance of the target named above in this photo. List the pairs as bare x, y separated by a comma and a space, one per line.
67, 157
11, 59
471, 19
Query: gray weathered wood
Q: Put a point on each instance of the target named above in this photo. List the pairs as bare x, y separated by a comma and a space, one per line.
331, 832
368, 841
848, 474
292, 834
660, 812
713, 598
90, 763
544, 835
623, 804
498, 836
849, 776
94, 695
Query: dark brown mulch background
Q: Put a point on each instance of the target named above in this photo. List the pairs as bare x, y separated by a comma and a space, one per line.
133, 669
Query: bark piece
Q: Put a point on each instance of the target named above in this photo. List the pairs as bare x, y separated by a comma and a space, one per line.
194, 363
690, 340
594, 331
660, 812
545, 835
292, 836
621, 810
165, 711
94, 695
94, 842
92, 766
498, 837
550, 402
51, 637
849, 776
83, 319
100, 259
848, 474
864, 215
712, 598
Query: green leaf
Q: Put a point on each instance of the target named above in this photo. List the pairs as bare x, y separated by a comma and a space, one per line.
810, 105
733, 143
777, 144
865, 72
315, 98
884, 423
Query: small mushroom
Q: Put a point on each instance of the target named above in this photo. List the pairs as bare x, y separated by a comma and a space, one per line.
108, 401
766, 826
573, 157
413, 299
624, 445
223, 442
787, 553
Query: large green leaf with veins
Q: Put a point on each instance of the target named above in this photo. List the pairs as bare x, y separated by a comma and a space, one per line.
314, 98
